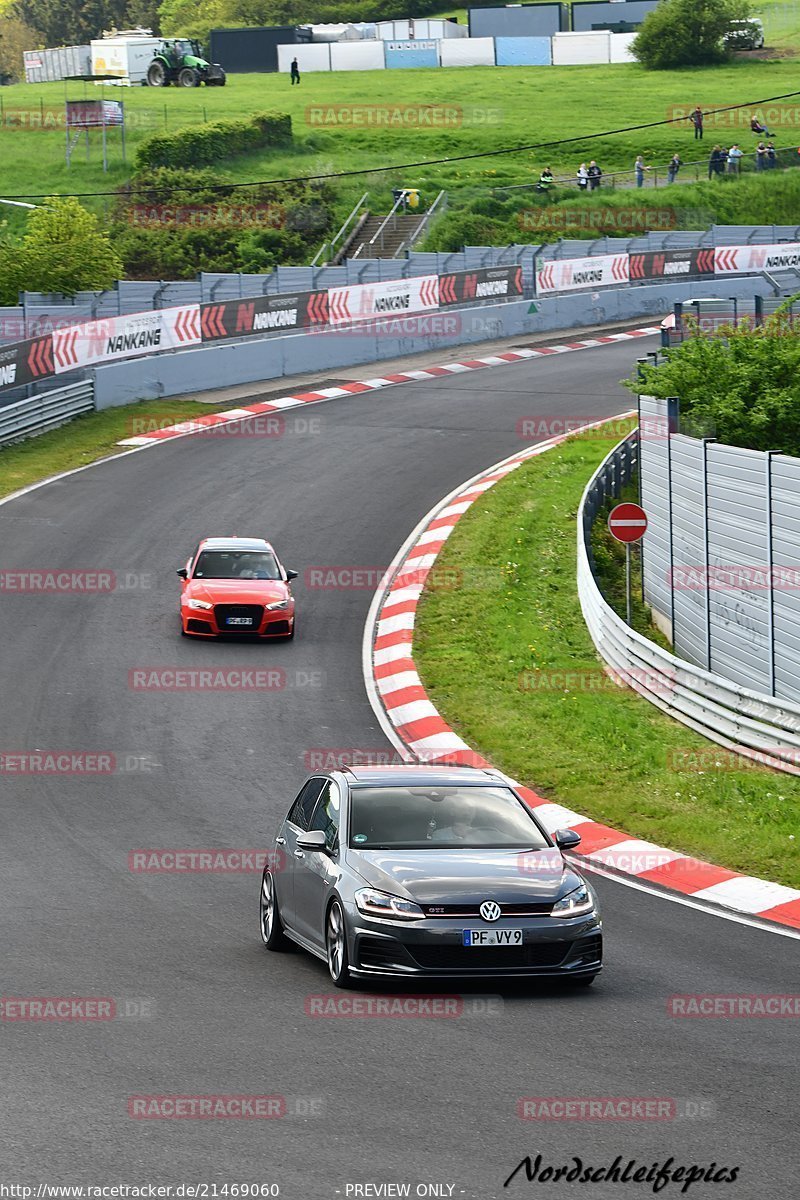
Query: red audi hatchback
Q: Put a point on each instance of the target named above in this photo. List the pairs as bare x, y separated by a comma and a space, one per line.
234, 585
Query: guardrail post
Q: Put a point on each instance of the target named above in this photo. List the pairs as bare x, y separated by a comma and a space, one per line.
673, 406
758, 302
706, 563
770, 567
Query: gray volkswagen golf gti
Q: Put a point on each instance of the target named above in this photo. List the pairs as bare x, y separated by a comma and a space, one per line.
427, 872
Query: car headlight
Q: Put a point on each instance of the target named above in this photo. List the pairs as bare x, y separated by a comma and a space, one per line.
575, 904
199, 604
380, 904
277, 604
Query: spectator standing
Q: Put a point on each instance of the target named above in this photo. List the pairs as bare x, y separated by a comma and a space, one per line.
734, 156
639, 169
595, 175
673, 167
761, 157
713, 162
772, 157
295, 72
696, 118
583, 177
722, 160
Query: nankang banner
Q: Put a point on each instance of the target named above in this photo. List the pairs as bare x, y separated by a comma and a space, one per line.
572, 274
672, 264
391, 298
263, 314
744, 260
486, 284
125, 337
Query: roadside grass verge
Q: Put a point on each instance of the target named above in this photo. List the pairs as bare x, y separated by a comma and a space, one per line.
89, 438
508, 661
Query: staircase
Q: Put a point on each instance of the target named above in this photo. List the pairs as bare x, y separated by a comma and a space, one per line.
399, 228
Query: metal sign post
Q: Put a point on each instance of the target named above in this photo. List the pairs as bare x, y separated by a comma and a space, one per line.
627, 523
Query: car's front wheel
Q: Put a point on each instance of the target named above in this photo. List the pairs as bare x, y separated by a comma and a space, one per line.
336, 945
272, 934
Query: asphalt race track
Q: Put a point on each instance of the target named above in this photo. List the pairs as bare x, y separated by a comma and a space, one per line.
406, 1101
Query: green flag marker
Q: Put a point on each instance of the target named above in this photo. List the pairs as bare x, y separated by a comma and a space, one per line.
534, 308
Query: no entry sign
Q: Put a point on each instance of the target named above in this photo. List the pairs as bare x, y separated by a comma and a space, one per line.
627, 522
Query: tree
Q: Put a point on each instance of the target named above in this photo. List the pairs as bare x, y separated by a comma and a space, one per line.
15, 37
73, 22
63, 250
687, 33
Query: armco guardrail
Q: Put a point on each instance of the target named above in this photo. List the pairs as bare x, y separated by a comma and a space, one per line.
747, 722
45, 411
114, 338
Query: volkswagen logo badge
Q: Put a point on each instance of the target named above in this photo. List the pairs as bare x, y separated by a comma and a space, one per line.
489, 910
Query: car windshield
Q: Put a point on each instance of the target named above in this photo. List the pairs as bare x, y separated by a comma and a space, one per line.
236, 564
437, 818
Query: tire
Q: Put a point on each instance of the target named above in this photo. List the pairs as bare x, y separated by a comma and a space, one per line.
269, 922
336, 946
188, 77
156, 75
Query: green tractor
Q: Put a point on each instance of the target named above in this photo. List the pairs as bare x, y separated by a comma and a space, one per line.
180, 61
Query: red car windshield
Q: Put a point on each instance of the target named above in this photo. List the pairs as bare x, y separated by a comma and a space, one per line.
236, 564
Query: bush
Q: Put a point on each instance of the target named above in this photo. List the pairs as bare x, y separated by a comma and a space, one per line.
200, 146
63, 250
741, 385
687, 33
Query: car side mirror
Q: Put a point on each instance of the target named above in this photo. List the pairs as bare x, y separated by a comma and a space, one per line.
290, 575
184, 574
313, 840
566, 839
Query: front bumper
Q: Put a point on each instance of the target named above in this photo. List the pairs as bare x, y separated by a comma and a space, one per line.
212, 623
433, 948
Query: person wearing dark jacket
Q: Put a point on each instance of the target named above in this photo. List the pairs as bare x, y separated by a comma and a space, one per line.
673, 167
696, 118
713, 162
295, 72
594, 174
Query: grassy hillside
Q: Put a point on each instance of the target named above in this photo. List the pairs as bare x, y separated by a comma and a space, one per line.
485, 108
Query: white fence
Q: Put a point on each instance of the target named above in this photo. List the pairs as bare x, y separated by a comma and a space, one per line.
567, 49
751, 723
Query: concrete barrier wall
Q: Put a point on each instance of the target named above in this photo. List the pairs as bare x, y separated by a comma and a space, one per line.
219, 366
311, 56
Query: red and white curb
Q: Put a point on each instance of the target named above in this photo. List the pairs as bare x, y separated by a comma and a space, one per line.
414, 725
234, 415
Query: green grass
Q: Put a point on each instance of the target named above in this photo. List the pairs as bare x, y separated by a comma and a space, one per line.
89, 438
502, 107
601, 750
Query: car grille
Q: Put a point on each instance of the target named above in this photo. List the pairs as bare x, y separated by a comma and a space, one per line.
253, 611
526, 909
381, 953
195, 626
455, 958
278, 627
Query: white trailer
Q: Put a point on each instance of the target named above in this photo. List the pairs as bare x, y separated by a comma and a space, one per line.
128, 57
